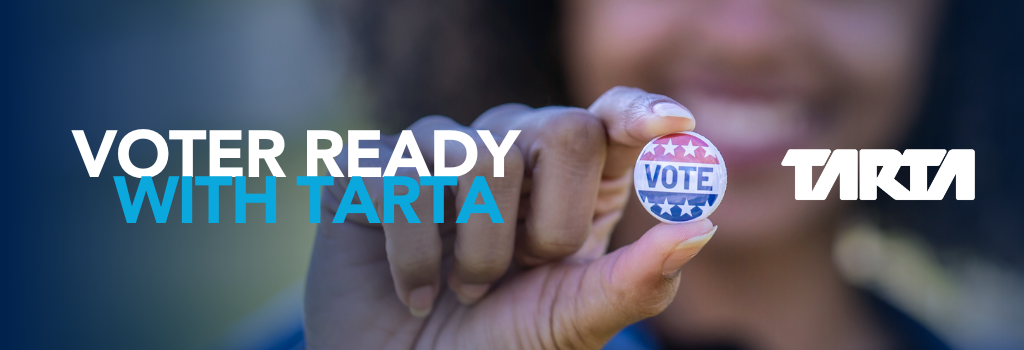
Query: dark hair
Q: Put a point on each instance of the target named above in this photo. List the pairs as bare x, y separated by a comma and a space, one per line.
459, 57
452, 57
973, 101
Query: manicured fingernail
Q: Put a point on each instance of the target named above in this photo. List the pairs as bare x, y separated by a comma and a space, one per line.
685, 251
470, 293
421, 301
669, 109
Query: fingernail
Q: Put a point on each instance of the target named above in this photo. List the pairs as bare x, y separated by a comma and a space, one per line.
470, 293
527, 260
669, 109
685, 251
421, 301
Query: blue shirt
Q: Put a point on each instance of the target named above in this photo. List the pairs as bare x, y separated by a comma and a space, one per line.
906, 333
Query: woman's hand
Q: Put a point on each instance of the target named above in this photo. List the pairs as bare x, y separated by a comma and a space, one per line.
542, 281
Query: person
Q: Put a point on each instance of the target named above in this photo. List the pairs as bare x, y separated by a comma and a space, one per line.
578, 259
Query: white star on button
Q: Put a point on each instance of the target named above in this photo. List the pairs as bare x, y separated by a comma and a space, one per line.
669, 147
706, 207
650, 148
666, 207
708, 152
647, 205
690, 149
687, 209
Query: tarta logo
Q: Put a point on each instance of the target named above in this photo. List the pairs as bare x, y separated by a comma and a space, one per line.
843, 165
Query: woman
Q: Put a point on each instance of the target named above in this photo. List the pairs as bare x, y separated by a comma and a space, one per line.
585, 260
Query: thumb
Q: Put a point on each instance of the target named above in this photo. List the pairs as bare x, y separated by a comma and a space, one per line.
633, 117
636, 281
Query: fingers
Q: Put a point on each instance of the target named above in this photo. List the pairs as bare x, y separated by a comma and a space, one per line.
633, 117
336, 307
412, 240
414, 249
483, 249
413, 246
636, 281
564, 150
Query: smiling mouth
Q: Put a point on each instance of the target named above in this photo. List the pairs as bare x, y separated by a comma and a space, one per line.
753, 127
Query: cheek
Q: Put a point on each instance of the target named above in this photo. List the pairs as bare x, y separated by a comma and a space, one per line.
760, 209
872, 43
877, 54
615, 42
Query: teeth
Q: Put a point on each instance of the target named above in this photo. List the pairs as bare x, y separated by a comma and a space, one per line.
749, 123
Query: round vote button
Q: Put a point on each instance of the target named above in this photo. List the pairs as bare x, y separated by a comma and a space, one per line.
680, 177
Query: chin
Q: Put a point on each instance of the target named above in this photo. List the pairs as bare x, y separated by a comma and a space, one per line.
759, 209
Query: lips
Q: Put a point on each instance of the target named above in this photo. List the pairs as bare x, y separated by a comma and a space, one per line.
752, 126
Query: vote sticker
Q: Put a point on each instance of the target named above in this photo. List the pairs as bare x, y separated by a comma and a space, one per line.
680, 177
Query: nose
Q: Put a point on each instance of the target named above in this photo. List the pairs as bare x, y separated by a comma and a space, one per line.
745, 34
